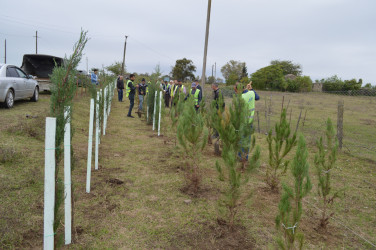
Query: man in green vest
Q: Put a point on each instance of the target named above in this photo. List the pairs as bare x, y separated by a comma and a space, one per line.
131, 93
249, 100
196, 95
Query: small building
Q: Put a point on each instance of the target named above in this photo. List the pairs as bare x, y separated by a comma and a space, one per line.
317, 87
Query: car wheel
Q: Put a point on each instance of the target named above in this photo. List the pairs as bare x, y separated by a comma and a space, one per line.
36, 95
9, 99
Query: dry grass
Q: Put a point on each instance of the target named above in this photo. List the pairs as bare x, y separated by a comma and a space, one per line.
136, 202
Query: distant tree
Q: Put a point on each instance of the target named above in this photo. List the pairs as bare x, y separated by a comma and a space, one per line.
244, 71
183, 69
270, 77
232, 79
300, 84
288, 67
211, 79
333, 83
352, 84
156, 73
368, 86
115, 68
233, 68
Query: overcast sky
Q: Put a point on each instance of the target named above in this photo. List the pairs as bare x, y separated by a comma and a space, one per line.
326, 37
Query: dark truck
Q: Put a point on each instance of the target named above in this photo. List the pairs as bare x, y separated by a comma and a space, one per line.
41, 67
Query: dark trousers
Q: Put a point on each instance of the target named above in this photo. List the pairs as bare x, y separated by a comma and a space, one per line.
167, 100
131, 100
120, 95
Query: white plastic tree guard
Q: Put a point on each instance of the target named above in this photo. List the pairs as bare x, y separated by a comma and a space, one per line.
90, 146
97, 128
155, 109
49, 184
104, 111
160, 110
67, 178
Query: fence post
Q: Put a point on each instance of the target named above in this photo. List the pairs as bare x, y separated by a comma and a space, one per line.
160, 108
155, 109
297, 124
49, 183
340, 123
97, 127
67, 178
90, 146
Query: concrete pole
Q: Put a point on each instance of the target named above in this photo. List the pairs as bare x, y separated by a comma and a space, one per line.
203, 80
125, 46
5, 51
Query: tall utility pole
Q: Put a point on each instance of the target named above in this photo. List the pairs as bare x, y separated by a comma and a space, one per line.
87, 65
125, 46
215, 71
212, 69
36, 42
5, 51
206, 43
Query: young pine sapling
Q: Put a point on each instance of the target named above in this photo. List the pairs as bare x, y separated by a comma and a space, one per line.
192, 136
290, 207
279, 146
325, 160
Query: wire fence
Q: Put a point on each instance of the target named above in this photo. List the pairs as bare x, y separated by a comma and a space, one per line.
353, 112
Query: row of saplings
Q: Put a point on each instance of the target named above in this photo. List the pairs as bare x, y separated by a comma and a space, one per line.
237, 140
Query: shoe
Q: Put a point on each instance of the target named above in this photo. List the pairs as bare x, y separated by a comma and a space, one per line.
130, 116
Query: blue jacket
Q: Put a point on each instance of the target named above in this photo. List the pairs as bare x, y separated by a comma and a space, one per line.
94, 78
257, 97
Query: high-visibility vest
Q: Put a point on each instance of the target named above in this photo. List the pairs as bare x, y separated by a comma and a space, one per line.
173, 90
195, 95
128, 90
249, 98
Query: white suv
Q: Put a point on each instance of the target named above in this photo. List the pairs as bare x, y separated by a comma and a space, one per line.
16, 85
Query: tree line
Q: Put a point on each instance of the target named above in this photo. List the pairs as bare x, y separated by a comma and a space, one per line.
280, 75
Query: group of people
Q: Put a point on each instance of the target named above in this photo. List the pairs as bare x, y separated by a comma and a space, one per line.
173, 90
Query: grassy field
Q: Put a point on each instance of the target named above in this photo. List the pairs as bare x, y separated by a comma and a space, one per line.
136, 202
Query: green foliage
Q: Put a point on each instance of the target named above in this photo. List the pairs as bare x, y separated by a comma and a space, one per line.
115, 68
211, 80
288, 67
63, 89
233, 70
299, 84
270, 77
279, 146
333, 83
236, 133
232, 79
183, 69
290, 207
325, 160
150, 100
192, 134
156, 73
352, 84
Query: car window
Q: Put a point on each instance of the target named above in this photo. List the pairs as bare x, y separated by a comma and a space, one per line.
11, 72
21, 73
